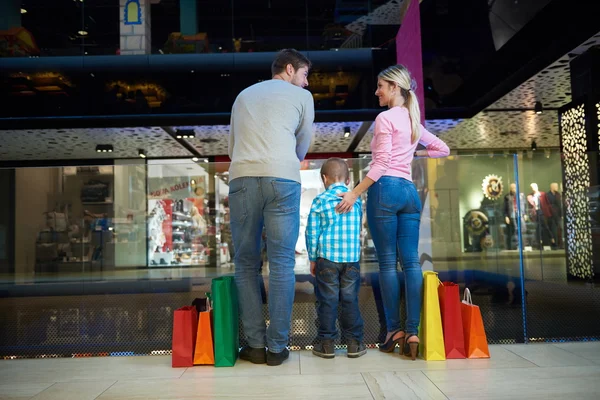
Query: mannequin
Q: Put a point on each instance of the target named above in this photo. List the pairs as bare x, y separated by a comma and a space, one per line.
540, 211
510, 214
555, 201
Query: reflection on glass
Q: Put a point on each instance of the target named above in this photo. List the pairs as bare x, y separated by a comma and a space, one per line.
164, 226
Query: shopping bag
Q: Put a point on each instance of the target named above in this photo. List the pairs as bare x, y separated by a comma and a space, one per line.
225, 321
432, 338
185, 325
204, 352
475, 339
454, 340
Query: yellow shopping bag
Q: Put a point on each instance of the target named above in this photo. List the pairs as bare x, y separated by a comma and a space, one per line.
430, 329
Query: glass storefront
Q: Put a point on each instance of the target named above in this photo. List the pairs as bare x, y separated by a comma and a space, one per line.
104, 254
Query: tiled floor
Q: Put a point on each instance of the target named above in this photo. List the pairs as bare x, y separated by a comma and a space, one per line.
534, 371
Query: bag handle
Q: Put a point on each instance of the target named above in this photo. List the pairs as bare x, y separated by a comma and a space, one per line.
467, 297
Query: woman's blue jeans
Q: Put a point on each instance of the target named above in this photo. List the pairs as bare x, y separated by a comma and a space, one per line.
394, 215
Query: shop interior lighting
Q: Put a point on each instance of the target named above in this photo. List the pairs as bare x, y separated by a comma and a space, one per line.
539, 108
346, 131
533, 146
195, 159
141, 153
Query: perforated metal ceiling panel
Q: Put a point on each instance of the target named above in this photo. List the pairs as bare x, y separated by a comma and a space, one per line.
60, 144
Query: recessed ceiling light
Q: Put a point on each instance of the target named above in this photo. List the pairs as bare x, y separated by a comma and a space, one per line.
23, 11
82, 33
195, 159
141, 153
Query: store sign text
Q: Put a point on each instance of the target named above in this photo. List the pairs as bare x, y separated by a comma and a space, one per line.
166, 190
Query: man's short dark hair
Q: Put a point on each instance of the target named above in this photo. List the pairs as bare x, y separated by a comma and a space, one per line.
289, 56
336, 169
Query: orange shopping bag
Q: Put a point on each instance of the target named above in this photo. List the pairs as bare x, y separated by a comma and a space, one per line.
475, 337
204, 352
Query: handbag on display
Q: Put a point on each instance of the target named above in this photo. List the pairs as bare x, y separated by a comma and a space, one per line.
46, 247
476, 343
56, 221
94, 192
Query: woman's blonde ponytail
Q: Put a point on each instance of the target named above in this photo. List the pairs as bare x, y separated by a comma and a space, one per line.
412, 104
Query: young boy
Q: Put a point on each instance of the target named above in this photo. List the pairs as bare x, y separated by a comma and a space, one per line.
333, 243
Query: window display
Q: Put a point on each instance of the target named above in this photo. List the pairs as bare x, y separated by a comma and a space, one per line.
179, 230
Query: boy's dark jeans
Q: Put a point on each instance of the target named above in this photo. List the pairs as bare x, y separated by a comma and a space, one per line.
338, 283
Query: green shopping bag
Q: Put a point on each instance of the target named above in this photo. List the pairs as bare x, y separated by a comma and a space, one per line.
225, 321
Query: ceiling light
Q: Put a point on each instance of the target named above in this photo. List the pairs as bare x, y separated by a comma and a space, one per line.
82, 33
104, 148
346, 131
533, 146
538, 107
193, 182
142, 153
23, 11
178, 136
195, 159
206, 160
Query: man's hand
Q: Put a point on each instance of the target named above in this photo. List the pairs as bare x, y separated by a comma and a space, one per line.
313, 267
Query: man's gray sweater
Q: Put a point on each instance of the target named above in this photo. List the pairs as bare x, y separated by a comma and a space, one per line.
271, 130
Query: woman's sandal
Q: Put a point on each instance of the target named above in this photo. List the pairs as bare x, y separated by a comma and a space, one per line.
390, 344
412, 346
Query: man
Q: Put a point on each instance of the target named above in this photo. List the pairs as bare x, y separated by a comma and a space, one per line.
554, 221
271, 131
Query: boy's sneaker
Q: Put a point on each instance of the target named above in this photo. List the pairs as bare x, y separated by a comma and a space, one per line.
274, 359
255, 356
356, 348
324, 349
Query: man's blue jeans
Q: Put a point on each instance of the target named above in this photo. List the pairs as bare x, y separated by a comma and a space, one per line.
394, 215
338, 283
274, 203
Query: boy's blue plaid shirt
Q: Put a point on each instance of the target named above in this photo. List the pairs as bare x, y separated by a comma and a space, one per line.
330, 235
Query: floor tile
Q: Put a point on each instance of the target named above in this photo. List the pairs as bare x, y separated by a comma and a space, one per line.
376, 361
101, 368
20, 390
523, 383
245, 368
547, 355
83, 390
413, 385
587, 350
347, 386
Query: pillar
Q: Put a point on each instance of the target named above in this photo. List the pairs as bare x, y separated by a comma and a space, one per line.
135, 27
580, 143
10, 14
188, 17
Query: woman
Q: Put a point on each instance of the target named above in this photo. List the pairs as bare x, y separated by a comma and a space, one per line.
393, 204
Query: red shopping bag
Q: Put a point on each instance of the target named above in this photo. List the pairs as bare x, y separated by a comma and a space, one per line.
454, 340
185, 324
475, 337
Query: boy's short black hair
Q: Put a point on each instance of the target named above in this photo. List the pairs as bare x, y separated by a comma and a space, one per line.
289, 56
336, 169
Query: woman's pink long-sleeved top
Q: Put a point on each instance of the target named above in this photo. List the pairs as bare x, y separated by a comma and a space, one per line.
391, 147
